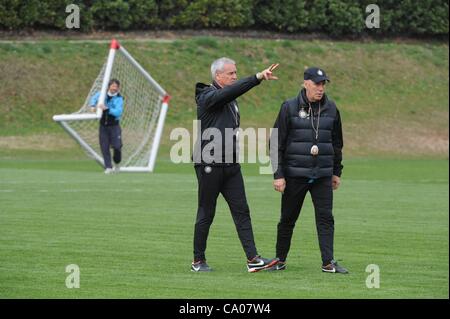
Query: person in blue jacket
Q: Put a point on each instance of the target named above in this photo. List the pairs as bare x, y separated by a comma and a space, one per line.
110, 131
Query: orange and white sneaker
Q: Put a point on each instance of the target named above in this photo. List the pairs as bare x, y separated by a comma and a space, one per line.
259, 263
280, 265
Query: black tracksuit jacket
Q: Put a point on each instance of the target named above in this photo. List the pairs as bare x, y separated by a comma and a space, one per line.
217, 108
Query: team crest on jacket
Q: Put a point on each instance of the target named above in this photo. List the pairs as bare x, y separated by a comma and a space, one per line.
303, 114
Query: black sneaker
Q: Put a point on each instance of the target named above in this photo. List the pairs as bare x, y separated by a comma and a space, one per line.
200, 265
333, 267
280, 265
258, 263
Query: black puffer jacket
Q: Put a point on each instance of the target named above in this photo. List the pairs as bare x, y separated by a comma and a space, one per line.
296, 137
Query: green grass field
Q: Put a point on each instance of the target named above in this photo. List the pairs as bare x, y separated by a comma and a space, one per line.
131, 234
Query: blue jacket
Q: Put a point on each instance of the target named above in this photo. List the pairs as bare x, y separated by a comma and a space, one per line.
114, 104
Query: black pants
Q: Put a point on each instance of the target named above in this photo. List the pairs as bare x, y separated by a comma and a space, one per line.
228, 181
291, 204
111, 136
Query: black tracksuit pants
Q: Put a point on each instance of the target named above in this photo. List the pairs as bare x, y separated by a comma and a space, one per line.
228, 181
111, 136
291, 204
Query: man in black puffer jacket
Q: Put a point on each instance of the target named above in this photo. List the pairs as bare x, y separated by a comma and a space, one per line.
216, 159
309, 156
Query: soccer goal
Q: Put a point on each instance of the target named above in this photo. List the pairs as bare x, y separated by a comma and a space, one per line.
142, 121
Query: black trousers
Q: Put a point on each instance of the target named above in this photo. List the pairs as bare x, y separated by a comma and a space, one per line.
291, 204
111, 136
228, 181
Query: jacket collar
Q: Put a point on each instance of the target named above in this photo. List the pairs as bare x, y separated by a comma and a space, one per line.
216, 85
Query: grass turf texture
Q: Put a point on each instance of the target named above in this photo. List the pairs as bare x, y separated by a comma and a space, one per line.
131, 234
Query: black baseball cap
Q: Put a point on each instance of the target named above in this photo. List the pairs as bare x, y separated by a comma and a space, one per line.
316, 74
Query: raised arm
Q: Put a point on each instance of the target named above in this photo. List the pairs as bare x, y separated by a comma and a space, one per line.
94, 100
220, 97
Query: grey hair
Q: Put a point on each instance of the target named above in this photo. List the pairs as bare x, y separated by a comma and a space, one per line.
218, 65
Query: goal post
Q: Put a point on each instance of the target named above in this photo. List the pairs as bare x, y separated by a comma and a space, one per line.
144, 112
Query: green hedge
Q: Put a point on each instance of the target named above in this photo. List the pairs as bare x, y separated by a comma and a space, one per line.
333, 17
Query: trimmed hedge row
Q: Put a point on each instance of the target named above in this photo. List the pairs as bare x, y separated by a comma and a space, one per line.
334, 17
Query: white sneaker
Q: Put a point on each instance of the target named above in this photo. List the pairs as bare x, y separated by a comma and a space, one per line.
116, 168
109, 171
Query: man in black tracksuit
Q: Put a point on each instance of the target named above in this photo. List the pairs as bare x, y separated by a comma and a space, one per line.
309, 159
216, 160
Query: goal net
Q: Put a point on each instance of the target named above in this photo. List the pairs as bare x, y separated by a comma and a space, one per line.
144, 110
